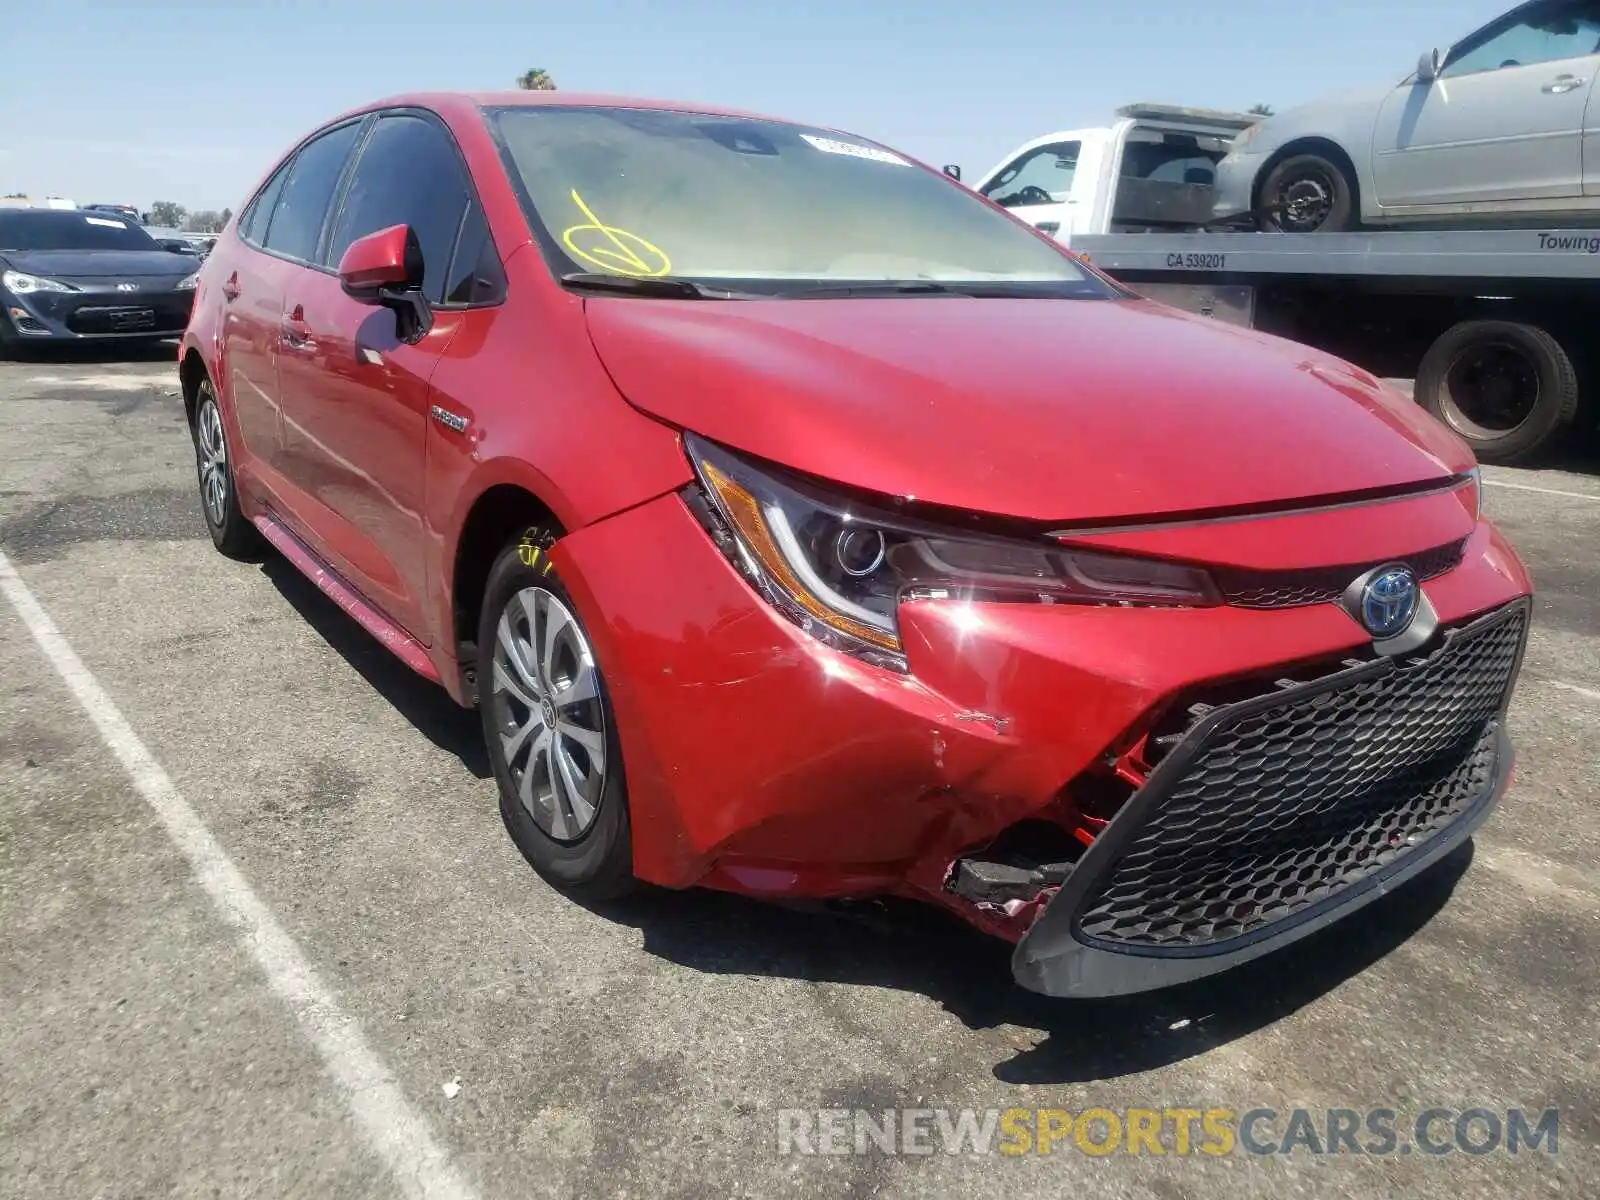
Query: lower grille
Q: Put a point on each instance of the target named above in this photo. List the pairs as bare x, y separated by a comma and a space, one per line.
164, 316
1278, 803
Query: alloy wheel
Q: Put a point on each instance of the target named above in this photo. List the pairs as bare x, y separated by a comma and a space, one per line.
1305, 202
550, 713
213, 456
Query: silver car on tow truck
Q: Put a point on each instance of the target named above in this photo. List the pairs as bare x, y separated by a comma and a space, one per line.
1490, 131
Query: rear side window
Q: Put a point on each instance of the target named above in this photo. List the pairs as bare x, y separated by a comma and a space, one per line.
408, 174
303, 203
253, 225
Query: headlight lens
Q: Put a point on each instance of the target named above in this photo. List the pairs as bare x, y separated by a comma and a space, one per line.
186, 284
21, 284
839, 568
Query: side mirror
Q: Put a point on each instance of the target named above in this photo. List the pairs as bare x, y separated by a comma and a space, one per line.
952, 170
1428, 66
386, 269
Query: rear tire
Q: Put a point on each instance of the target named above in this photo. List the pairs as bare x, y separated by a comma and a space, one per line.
231, 532
1508, 388
1307, 193
549, 728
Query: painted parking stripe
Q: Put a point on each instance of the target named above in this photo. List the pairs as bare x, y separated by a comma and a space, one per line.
1543, 491
1586, 693
398, 1133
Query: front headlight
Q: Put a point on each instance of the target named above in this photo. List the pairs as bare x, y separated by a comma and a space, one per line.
839, 567
20, 284
187, 283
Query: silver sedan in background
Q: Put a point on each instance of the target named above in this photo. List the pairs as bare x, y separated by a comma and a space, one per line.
1491, 130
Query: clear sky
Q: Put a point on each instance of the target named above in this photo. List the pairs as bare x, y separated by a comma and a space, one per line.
190, 100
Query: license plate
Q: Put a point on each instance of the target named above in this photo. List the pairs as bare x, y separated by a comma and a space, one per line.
124, 319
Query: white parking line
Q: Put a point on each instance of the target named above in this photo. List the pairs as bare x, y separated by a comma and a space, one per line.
1540, 875
1528, 487
1586, 693
398, 1133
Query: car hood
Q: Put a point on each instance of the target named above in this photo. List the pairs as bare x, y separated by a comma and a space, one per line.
1051, 410
70, 264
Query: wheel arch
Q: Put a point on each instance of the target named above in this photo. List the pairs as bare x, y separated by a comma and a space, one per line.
192, 372
1311, 144
500, 511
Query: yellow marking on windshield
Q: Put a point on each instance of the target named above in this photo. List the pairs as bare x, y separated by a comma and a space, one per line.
611, 248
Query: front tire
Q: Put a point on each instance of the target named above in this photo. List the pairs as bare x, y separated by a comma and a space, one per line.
1307, 193
231, 532
549, 728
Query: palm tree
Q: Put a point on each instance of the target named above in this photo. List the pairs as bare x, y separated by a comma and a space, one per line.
536, 79
1261, 110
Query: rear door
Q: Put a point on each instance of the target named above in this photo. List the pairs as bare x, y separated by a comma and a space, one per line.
1036, 185
251, 292
282, 230
356, 397
1504, 120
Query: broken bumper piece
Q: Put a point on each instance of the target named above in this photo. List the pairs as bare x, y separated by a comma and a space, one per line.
1281, 814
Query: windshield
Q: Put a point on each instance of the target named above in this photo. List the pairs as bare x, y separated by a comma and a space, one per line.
61, 230
649, 193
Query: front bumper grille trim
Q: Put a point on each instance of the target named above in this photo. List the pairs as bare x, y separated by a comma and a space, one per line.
1459, 743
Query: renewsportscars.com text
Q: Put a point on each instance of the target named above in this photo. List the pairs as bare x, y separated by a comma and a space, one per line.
1099, 1132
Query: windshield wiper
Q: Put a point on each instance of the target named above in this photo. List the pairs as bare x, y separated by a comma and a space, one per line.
886, 287
653, 285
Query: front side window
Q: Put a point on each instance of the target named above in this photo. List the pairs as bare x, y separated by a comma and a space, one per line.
644, 192
1544, 33
476, 273
1042, 175
296, 222
408, 174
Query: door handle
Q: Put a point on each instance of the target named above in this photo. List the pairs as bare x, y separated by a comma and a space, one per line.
1562, 83
296, 333
230, 287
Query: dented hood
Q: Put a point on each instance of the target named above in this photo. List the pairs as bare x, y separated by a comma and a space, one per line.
1051, 410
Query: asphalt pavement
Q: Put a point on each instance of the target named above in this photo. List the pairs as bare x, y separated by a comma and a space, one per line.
262, 933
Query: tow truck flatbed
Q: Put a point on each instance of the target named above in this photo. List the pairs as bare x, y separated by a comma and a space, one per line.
1553, 254
1496, 326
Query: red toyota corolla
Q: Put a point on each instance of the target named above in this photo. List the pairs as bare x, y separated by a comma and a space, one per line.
803, 525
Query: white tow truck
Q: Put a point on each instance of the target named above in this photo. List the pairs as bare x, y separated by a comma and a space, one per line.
1500, 328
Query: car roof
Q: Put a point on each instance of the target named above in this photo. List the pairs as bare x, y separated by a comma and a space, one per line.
464, 103
52, 214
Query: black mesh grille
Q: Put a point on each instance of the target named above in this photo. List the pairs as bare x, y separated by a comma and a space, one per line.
1321, 585
1285, 804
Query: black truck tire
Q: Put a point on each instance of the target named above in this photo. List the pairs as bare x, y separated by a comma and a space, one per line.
1507, 387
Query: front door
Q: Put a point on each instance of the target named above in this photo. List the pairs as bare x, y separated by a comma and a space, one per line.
355, 397
1504, 119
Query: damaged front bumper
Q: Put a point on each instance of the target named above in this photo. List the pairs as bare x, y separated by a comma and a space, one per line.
1280, 814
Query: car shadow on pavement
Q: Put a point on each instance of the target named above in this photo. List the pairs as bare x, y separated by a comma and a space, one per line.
96, 352
918, 948
439, 719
